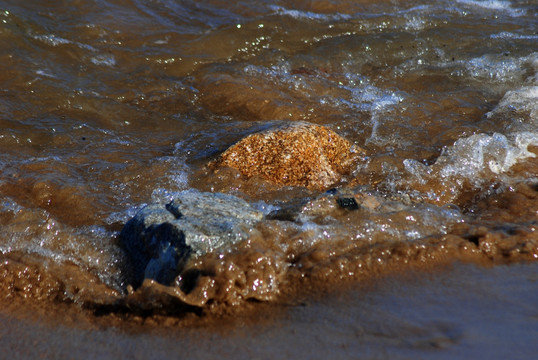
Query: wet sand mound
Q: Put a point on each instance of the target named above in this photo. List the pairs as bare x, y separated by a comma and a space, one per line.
298, 154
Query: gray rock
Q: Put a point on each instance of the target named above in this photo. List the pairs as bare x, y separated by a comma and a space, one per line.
161, 239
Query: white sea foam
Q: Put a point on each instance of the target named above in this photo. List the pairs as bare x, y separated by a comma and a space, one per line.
363, 96
44, 159
377, 102
417, 18
496, 67
501, 5
51, 39
45, 73
298, 14
523, 101
264, 207
123, 216
162, 196
37, 231
510, 35
474, 160
499, 69
394, 221
104, 60
472, 157
54, 40
415, 23
469, 157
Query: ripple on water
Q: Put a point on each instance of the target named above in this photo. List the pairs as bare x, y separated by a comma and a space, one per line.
127, 104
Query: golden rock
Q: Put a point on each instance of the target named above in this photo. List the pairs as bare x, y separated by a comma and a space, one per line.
296, 154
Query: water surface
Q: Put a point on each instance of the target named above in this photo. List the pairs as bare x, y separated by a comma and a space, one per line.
107, 106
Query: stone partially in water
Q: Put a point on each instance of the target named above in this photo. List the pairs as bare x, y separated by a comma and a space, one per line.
161, 239
298, 154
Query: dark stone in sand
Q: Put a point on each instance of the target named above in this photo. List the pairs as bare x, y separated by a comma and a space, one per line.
348, 203
161, 239
288, 211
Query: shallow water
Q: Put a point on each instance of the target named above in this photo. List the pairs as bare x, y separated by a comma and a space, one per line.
107, 106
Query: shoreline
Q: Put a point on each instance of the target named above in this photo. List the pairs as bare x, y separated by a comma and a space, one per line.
256, 330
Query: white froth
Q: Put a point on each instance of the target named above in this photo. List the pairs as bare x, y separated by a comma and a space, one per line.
123, 216
52, 40
104, 60
474, 160
378, 106
264, 207
36, 231
45, 73
504, 6
417, 18
496, 67
523, 99
162, 196
510, 35
373, 99
309, 15
469, 157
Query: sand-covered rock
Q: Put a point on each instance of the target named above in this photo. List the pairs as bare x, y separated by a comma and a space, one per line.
296, 154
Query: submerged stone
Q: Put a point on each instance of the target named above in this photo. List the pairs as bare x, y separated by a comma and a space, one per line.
161, 239
297, 154
347, 203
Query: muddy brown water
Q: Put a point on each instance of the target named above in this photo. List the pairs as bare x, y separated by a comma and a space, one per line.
106, 106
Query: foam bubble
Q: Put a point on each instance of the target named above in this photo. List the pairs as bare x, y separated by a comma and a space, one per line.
415, 23
417, 18
162, 196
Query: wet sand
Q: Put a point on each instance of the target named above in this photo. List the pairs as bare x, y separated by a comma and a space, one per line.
456, 311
